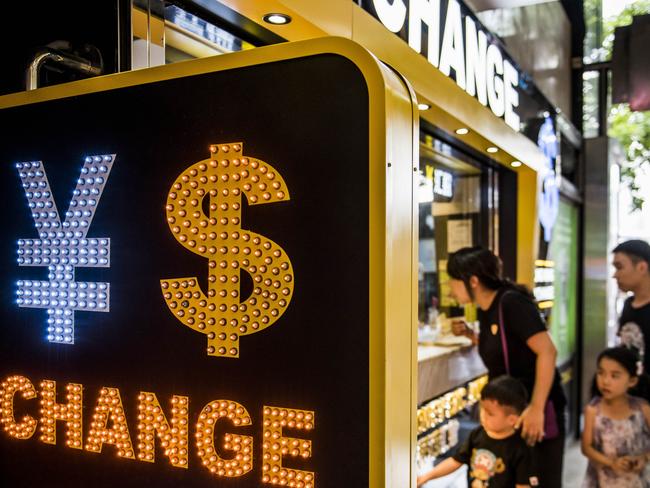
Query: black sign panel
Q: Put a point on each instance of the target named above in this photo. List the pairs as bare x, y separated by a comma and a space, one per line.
84, 297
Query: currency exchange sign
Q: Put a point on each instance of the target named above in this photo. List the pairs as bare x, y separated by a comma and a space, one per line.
199, 314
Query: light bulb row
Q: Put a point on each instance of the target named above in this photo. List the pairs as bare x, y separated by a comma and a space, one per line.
74, 285
91, 262
8, 388
70, 412
90, 186
235, 413
25, 300
65, 246
233, 457
109, 406
218, 236
275, 446
152, 421
63, 294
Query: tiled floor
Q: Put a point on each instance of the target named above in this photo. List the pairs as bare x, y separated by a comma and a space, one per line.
575, 465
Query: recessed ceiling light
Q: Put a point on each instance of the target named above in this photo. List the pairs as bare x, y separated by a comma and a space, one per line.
492, 149
424, 106
515, 164
277, 19
462, 131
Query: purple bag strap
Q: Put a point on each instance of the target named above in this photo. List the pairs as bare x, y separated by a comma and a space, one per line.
502, 333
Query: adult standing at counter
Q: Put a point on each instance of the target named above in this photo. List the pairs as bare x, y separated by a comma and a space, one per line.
513, 340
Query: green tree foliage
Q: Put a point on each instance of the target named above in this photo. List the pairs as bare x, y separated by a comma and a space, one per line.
632, 129
594, 26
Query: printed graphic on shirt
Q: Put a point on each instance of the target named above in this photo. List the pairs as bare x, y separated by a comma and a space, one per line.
632, 337
484, 465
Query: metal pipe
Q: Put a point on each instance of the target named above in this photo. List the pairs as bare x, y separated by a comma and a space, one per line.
60, 58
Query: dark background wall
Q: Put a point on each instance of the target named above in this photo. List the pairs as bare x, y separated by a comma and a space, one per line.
92, 30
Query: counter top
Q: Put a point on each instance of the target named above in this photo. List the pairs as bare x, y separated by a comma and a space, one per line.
442, 368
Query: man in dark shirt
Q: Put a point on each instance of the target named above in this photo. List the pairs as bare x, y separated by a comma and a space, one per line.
632, 263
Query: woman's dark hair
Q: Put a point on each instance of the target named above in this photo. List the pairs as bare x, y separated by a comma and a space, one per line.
485, 265
629, 359
507, 392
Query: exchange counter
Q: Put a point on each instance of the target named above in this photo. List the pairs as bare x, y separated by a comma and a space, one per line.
450, 378
444, 367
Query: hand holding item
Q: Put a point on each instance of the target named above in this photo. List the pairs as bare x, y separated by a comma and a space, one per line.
635, 464
460, 328
531, 421
621, 464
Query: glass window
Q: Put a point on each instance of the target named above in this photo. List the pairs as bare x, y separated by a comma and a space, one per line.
190, 36
452, 215
164, 33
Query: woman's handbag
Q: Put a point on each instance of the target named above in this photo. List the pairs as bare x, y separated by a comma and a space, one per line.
551, 429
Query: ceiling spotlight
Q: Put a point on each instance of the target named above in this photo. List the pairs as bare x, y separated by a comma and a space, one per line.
462, 131
492, 149
424, 106
515, 164
277, 19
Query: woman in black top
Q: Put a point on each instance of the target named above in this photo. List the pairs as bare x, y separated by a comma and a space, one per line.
475, 276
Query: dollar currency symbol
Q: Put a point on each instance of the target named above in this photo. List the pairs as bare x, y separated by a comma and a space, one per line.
223, 315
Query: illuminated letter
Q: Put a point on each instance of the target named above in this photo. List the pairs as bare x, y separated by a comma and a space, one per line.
8, 389
452, 53
511, 80
428, 12
494, 81
153, 421
476, 52
109, 405
242, 445
62, 247
223, 315
69, 412
392, 16
276, 446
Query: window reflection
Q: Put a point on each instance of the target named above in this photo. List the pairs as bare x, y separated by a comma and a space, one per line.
450, 217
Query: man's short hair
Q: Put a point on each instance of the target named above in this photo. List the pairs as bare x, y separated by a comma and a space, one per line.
636, 249
507, 392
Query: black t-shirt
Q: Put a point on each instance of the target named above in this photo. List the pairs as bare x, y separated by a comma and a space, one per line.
634, 330
497, 463
522, 320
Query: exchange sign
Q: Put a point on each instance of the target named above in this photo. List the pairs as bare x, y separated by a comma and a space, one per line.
203, 265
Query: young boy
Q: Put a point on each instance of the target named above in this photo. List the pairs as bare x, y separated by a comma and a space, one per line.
496, 455
632, 264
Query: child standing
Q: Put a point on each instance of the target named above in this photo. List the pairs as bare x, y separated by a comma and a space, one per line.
616, 436
496, 454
